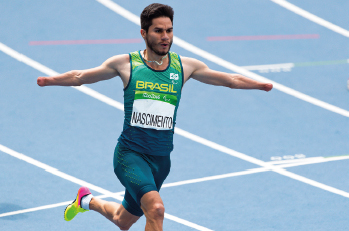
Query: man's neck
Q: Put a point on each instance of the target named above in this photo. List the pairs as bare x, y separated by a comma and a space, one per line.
154, 60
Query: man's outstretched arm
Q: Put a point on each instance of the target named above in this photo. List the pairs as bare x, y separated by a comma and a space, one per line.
198, 70
107, 70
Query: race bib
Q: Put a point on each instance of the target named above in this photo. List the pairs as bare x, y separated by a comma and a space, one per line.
153, 110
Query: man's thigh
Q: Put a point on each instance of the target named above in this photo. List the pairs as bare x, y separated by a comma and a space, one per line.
135, 174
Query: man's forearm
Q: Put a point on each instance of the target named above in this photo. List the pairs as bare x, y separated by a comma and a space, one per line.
242, 82
70, 78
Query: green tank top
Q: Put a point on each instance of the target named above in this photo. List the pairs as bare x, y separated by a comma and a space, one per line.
151, 101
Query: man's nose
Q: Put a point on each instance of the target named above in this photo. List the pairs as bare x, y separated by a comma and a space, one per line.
165, 36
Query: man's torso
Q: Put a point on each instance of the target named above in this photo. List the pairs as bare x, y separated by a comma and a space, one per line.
151, 99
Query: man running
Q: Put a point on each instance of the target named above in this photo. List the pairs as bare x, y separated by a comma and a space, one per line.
153, 80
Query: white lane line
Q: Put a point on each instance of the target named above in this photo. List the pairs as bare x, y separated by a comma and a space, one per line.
22, 58
318, 159
252, 75
230, 66
187, 223
276, 162
312, 17
217, 177
314, 160
101, 97
35, 209
179, 131
55, 171
285, 164
49, 206
168, 185
312, 182
285, 67
91, 186
220, 148
121, 11
267, 165
38, 66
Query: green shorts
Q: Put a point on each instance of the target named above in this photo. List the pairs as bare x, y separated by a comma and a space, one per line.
139, 173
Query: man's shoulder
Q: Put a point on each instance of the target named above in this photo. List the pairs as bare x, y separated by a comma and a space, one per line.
189, 61
121, 57
117, 60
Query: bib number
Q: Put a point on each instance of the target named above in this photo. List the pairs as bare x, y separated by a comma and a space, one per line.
153, 110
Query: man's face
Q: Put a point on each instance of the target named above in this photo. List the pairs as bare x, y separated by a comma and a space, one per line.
159, 36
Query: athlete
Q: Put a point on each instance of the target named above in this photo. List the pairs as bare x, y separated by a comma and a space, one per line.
153, 79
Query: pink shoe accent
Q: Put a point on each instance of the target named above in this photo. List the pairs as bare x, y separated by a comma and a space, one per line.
83, 191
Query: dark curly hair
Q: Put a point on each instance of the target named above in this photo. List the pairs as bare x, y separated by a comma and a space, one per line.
155, 10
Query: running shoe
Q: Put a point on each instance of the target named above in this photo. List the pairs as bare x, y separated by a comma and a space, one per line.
75, 207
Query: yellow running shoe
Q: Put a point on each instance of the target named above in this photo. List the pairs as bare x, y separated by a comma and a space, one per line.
75, 207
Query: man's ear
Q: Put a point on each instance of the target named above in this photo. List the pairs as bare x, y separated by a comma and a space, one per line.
143, 33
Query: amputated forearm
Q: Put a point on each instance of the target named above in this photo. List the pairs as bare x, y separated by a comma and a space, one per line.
242, 82
70, 78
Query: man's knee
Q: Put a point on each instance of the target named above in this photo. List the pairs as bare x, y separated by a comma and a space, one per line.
156, 211
122, 223
152, 206
123, 219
